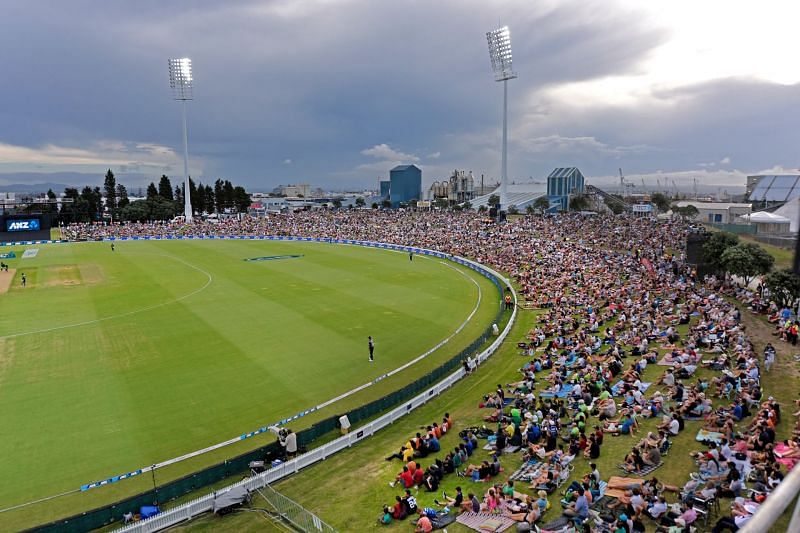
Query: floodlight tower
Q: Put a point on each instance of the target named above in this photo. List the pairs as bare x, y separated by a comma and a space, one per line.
500, 53
180, 81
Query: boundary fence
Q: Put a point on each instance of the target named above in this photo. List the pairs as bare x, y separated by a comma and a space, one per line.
432, 384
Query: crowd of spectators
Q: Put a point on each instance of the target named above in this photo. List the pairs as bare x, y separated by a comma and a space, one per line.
614, 296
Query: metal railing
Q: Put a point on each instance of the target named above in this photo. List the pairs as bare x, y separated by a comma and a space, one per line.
775, 504
292, 512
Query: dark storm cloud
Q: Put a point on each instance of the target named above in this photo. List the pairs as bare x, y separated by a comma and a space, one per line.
318, 82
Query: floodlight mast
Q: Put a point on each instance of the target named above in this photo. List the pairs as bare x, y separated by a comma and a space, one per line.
499, 42
181, 83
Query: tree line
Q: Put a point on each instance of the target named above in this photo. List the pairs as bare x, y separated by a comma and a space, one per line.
725, 254
162, 201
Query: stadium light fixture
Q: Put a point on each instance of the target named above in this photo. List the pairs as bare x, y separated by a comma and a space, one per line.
499, 42
181, 82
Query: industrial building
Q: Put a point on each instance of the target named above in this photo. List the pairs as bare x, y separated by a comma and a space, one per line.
562, 184
458, 189
405, 184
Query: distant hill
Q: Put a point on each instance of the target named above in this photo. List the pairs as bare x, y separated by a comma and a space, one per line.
33, 188
40, 182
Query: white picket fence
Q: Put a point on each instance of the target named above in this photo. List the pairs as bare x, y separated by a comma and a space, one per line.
201, 505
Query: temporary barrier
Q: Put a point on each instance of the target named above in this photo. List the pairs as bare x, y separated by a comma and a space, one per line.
292, 512
406, 396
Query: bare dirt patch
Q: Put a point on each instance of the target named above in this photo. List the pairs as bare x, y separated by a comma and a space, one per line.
91, 274
60, 276
5, 282
71, 275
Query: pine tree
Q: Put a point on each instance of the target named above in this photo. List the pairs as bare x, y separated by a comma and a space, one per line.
165, 188
110, 186
122, 196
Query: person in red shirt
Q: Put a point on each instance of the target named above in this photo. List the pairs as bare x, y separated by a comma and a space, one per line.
419, 476
404, 477
399, 510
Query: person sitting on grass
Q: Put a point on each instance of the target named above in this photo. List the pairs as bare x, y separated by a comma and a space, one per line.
471, 505
424, 524
491, 502
386, 517
405, 477
652, 456
484, 470
626, 425
526, 515
399, 509
634, 461
580, 507
455, 503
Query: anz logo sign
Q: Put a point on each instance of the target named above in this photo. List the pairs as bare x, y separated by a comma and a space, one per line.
23, 225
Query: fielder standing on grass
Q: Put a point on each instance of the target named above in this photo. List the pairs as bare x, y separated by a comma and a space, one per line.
371, 344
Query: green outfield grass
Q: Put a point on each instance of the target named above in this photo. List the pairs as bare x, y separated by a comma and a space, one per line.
110, 361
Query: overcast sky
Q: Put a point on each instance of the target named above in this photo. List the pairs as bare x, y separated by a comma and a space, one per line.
336, 92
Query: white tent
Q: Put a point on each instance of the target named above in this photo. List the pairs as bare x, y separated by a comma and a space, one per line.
791, 210
768, 222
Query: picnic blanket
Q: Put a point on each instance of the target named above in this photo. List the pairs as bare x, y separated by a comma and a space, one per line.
779, 451
508, 449
443, 520
709, 436
644, 471
666, 361
556, 524
485, 521
565, 390
617, 485
526, 472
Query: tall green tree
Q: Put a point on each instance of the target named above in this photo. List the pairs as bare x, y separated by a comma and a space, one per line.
660, 201
747, 261
228, 195
75, 208
208, 192
199, 199
152, 191
686, 213
784, 285
138, 211
165, 188
122, 196
715, 246
110, 187
579, 202
541, 204
193, 194
494, 200
219, 197
94, 202
360, 202
241, 199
